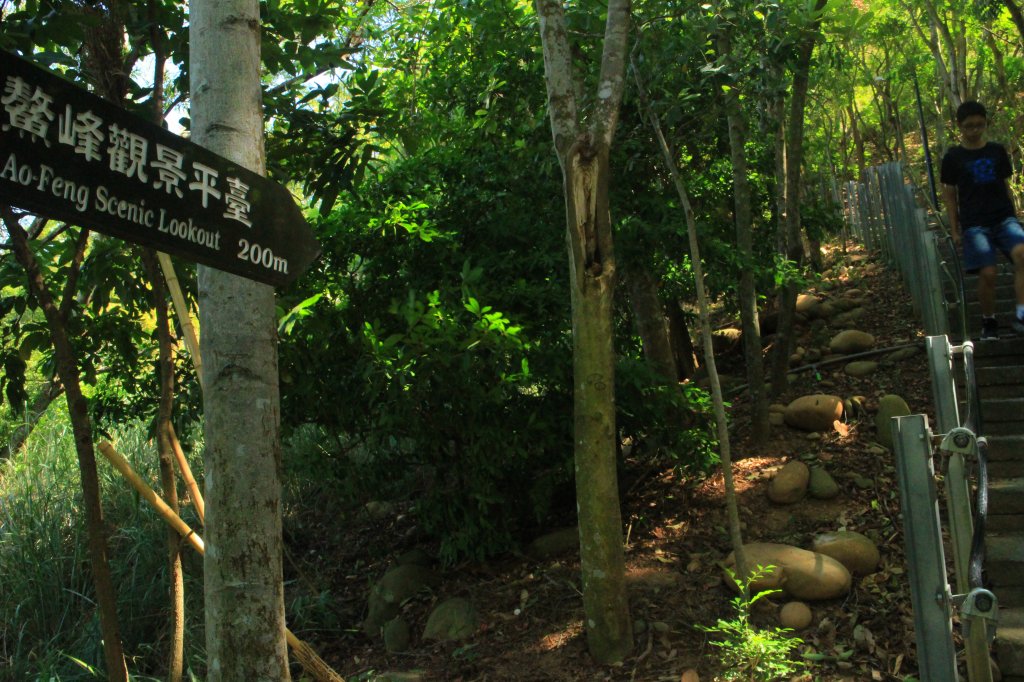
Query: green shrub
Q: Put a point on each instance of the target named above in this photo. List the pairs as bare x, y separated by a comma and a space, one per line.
49, 628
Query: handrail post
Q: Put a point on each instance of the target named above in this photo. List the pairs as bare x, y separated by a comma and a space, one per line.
926, 562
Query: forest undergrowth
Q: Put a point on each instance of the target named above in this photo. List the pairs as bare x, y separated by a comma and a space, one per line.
530, 610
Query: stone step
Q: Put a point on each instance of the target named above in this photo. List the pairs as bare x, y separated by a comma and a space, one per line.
1002, 410
1008, 374
1013, 468
1001, 523
1004, 559
1009, 643
1004, 448
1000, 428
1010, 597
1006, 496
1003, 347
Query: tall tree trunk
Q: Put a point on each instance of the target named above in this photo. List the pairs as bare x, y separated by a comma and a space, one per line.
743, 217
785, 338
583, 156
165, 410
651, 323
244, 593
165, 453
682, 344
81, 427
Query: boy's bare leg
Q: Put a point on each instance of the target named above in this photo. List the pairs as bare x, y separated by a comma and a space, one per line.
987, 290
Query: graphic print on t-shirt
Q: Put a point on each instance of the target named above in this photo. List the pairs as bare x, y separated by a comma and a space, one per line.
983, 170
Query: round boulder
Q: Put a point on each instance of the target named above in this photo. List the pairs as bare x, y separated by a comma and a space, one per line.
805, 303
397, 585
795, 615
790, 484
851, 341
799, 573
452, 620
821, 485
855, 551
889, 406
860, 368
814, 412
396, 636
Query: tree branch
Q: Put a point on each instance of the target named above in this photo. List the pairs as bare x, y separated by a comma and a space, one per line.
613, 71
558, 73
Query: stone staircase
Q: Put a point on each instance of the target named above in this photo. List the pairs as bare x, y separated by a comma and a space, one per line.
999, 368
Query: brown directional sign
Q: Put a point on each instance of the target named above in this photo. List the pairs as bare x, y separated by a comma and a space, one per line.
70, 155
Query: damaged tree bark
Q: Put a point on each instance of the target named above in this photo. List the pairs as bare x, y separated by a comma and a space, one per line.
583, 155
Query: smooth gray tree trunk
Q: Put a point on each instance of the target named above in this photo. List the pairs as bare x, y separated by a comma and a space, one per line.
244, 592
583, 156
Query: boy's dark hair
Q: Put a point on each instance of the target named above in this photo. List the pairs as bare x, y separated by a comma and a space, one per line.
970, 108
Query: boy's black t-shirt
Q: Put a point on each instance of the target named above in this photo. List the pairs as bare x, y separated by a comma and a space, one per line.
980, 179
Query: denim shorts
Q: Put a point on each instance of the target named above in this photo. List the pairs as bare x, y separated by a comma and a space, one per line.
980, 243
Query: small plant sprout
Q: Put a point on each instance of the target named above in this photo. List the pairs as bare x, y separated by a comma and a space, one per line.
749, 653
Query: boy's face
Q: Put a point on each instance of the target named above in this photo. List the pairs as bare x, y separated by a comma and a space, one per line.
972, 129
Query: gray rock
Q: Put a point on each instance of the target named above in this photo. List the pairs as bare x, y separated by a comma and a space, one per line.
397, 585
795, 615
821, 485
814, 412
790, 484
851, 341
857, 552
861, 368
416, 557
902, 354
849, 317
452, 620
799, 573
863, 482
889, 406
555, 544
396, 636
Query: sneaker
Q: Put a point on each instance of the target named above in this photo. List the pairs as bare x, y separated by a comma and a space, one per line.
990, 328
1018, 325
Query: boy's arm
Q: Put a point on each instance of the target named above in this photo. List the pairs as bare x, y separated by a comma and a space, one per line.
949, 199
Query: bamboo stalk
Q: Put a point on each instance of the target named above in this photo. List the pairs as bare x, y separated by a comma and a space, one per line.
306, 656
122, 465
186, 473
184, 316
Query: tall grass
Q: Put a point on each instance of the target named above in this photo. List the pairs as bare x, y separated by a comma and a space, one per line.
49, 627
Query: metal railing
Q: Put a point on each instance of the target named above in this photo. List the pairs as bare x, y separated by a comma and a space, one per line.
959, 443
890, 216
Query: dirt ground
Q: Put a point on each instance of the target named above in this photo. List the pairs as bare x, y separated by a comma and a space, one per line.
531, 611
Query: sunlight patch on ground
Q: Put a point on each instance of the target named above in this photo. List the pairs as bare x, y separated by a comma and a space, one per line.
556, 640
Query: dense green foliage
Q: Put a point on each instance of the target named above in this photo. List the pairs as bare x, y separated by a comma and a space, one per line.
48, 623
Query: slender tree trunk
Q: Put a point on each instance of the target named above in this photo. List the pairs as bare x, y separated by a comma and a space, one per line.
784, 339
651, 322
165, 453
744, 220
244, 593
717, 399
682, 344
81, 426
583, 156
